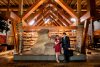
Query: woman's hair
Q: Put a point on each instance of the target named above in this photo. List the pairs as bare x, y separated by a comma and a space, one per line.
64, 33
57, 35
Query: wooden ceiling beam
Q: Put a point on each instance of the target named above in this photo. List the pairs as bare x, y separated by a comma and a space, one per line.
65, 17
61, 13
33, 1
91, 11
60, 18
78, 12
41, 21
49, 27
25, 9
14, 16
14, 2
91, 6
83, 3
41, 17
42, 24
37, 14
20, 8
11, 9
32, 8
24, 23
50, 23
70, 2
85, 16
53, 21
57, 20
79, 8
58, 24
3, 2
17, 18
64, 20
7, 10
69, 10
27, 2
54, 24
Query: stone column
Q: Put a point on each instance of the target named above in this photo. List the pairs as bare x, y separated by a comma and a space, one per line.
79, 27
20, 26
79, 37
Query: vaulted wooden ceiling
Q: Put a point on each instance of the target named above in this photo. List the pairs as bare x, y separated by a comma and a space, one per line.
49, 9
27, 3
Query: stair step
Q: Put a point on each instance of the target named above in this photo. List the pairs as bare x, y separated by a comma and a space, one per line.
80, 57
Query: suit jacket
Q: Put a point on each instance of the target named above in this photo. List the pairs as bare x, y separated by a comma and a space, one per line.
65, 42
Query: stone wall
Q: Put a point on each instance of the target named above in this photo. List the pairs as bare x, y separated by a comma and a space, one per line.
43, 46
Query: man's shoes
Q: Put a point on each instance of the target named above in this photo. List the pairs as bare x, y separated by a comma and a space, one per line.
65, 61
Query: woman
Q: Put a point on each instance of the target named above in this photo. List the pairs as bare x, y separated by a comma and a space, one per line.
57, 48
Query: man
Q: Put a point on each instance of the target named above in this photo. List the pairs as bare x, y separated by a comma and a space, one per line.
65, 45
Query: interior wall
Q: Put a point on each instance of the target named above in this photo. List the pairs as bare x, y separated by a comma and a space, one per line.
96, 25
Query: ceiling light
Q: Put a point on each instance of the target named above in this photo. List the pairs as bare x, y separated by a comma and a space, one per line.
73, 19
46, 20
31, 22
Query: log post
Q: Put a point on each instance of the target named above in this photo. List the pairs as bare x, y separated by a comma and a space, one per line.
91, 7
13, 22
85, 31
92, 31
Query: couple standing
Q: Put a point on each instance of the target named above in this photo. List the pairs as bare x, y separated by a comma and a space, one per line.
64, 43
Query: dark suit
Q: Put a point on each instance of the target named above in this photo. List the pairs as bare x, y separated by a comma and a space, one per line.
65, 45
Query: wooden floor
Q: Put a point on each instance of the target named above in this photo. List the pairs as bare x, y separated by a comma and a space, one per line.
93, 60
51, 64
